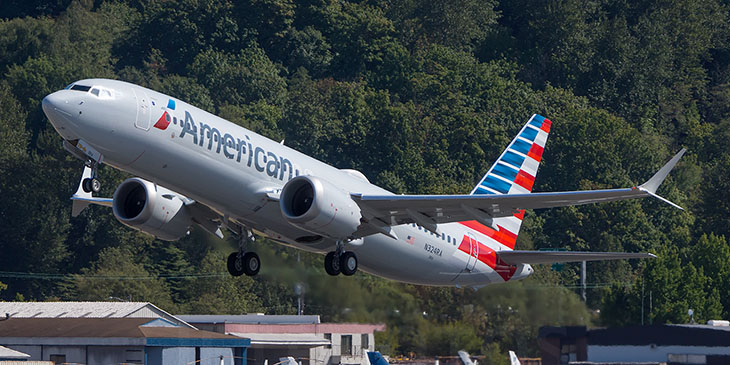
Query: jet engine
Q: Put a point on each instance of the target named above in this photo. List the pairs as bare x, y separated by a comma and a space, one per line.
152, 209
316, 205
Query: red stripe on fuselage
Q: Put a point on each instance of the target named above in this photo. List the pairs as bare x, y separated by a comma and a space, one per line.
504, 236
488, 257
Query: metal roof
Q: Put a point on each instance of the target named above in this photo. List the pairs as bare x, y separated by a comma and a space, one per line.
6, 353
99, 327
283, 339
250, 319
87, 310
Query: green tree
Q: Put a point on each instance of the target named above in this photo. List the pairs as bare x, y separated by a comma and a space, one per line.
221, 294
712, 254
449, 339
246, 77
179, 31
117, 274
458, 24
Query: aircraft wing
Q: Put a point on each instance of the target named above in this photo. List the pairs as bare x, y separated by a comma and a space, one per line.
430, 210
552, 257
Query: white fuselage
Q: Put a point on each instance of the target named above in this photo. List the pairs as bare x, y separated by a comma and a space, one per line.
231, 169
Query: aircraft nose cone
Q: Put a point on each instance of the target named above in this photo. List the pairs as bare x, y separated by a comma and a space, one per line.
57, 109
54, 103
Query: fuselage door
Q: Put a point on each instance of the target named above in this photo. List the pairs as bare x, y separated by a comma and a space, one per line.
143, 110
474, 252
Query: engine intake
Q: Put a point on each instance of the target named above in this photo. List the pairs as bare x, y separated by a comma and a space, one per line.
316, 205
152, 209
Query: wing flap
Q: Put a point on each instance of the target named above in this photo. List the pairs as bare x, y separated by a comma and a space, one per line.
552, 257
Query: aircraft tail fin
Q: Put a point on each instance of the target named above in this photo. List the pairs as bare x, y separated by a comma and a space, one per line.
376, 358
513, 360
465, 358
514, 173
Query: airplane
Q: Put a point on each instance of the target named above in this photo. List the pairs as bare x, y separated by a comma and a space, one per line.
193, 167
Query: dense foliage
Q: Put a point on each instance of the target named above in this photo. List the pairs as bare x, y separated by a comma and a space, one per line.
421, 96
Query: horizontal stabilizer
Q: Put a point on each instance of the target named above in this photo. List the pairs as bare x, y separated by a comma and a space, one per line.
552, 257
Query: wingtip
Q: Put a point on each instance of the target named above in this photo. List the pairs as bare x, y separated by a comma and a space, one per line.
653, 184
651, 255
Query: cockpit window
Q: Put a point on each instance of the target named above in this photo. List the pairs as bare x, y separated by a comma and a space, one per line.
78, 87
102, 93
68, 86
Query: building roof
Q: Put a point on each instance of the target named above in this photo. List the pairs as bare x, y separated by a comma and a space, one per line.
250, 319
87, 310
661, 335
284, 339
99, 327
10, 354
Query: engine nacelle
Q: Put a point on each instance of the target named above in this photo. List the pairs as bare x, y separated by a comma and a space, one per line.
152, 209
315, 205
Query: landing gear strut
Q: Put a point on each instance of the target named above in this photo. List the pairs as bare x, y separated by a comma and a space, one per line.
243, 262
91, 184
340, 261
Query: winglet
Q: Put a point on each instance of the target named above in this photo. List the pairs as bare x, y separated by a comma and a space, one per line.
656, 180
652, 185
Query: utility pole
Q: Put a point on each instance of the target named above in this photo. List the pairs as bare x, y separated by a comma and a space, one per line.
642, 300
583, 280
299, 290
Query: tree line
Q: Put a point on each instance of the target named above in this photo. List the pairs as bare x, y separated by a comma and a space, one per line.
421, 96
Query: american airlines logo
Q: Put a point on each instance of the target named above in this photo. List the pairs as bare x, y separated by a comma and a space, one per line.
242, 150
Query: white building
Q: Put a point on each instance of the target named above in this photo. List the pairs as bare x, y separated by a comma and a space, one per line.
303, 337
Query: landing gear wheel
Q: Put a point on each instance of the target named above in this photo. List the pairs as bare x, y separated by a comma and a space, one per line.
251, 263
348, 263
95, 185
235, 265
332, 264
87, 185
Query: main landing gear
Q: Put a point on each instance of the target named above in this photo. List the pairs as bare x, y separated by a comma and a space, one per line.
243, 262
91, 184
340, 261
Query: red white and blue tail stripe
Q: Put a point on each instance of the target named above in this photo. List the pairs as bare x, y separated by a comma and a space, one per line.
513, 173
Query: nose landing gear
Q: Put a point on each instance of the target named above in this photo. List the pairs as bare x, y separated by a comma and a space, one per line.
91, 184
